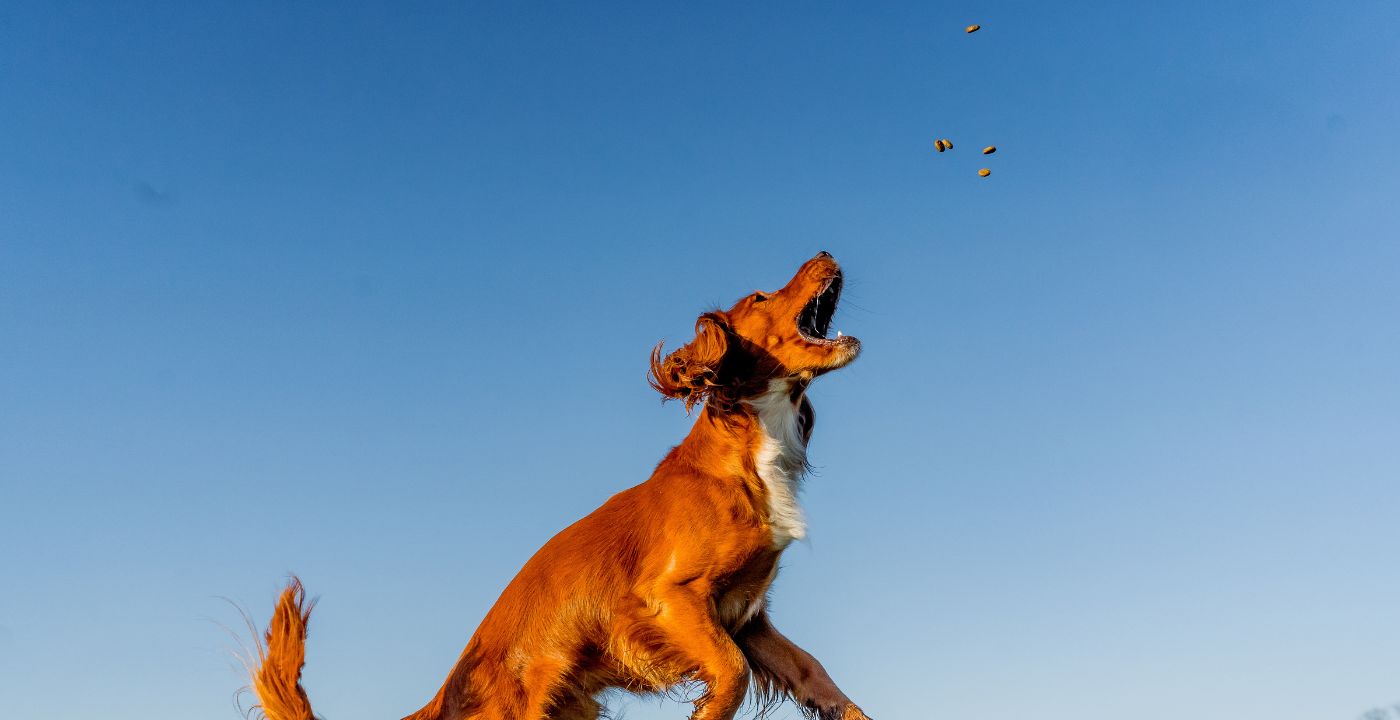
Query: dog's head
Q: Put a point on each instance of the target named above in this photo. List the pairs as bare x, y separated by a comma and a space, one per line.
765, 336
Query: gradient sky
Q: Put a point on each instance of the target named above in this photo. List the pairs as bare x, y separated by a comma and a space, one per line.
365, 292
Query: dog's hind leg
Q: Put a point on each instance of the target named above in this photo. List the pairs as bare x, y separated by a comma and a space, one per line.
543, 681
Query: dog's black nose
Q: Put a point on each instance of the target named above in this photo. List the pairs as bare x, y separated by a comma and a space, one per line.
823, 254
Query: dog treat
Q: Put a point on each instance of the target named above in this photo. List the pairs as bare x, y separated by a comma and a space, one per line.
973, 28
947, 143
939, 144
989, 150
984, 172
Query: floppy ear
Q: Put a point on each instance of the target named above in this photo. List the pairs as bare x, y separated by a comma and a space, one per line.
692, 371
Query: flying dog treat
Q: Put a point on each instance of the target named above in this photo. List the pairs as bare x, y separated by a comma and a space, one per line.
947, 143
984, 172
973, 28
939, 144
989, 150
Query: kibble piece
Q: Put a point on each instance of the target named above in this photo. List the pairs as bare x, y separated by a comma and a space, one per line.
973, 28
989, 150
984, 172
947, 143
939, 144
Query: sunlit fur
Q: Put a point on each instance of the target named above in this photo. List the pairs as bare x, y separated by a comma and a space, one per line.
781, 459
667, 582
280, 655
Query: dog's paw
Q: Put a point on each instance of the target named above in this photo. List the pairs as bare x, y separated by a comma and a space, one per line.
851, 712
847, 712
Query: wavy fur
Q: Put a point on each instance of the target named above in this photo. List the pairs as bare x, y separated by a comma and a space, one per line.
664, 586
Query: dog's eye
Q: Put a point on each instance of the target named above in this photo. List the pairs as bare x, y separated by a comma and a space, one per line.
759, 297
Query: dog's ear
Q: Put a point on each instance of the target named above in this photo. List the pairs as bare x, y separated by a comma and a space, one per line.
694, 370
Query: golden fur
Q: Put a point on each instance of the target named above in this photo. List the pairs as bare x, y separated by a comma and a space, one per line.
667, 582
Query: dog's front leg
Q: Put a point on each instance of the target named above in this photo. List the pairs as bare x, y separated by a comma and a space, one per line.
781, 665
685, 638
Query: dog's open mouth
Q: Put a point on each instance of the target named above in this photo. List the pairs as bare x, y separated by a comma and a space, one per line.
814, 321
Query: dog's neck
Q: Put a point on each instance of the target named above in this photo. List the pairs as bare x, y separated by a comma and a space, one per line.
763, 438
784, 419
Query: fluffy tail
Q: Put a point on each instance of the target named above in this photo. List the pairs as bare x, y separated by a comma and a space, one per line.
277, 675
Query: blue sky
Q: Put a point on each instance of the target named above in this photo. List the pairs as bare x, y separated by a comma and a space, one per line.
365, 292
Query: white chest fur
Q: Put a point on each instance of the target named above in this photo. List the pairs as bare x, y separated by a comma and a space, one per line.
781, 460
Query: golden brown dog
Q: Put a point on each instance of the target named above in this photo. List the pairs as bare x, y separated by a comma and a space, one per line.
667, 581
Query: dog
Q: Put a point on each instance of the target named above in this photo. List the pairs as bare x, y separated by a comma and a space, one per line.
667, 582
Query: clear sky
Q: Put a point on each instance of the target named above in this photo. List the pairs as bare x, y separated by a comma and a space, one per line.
365, 292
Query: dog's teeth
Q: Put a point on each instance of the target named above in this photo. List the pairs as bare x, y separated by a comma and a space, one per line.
838, 333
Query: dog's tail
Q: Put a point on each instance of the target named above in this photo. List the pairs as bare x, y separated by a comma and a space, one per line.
276, 676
